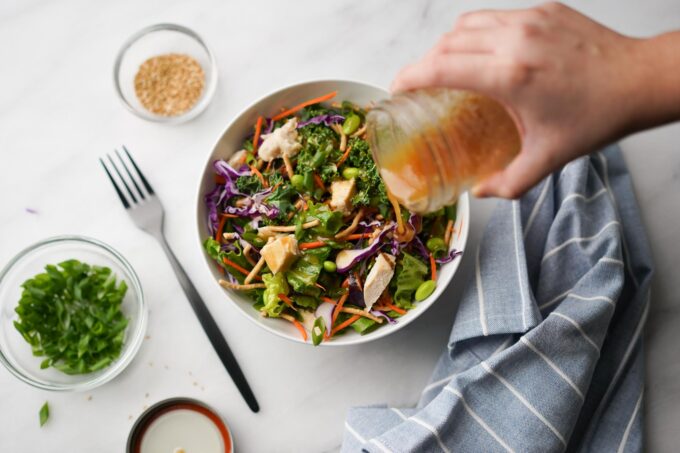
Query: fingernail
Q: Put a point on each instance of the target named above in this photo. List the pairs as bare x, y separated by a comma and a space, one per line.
478, 191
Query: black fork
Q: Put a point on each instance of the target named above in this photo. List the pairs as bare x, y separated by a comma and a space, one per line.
146, 211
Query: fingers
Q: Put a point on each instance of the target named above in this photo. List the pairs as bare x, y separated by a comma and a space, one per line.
490, 18
472, 40
462, 71
524, 172
485, 18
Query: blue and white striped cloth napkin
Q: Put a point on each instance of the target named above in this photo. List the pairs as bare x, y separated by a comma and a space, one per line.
546, 349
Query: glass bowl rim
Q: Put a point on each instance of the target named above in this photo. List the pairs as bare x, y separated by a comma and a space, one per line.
135, 340
194, 111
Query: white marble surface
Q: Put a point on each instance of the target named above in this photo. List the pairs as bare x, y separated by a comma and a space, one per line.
58, 113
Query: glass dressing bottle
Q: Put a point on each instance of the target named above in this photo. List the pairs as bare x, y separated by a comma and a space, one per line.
433, 144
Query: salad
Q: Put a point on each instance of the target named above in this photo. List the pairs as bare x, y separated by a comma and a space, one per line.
301, 221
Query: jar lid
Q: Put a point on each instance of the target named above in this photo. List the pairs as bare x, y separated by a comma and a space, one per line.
179, 425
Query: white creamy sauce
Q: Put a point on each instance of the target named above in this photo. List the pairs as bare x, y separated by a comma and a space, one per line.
182, 430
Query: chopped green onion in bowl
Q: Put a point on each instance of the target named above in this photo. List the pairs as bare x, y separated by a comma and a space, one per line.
70, 314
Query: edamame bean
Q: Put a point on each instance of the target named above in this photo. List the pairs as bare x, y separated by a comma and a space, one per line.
351, 123
425, 289
350, 172
297, 181
258, 241
308, 181
435, 244
330, 266
319, 158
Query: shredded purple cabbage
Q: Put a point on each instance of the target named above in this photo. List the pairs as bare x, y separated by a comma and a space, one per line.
253, 209
228, 247
270, 126
450, 257
222, 192
416, 222
380, 314
254, 206
325, 119
222, 168
365, 253
356, 295
373, 223
420, 247
211, 204
255, 222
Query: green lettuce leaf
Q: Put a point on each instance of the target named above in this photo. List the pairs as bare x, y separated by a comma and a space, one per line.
307, 301
212, 247
364, 325
276, 284
304, 273
410, 274
331, 221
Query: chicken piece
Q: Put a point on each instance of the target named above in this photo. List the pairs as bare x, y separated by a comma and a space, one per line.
237, 159
280, 253
378, 278
342, 192
282, 141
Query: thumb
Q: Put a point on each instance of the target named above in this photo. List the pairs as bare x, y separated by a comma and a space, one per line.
524, 172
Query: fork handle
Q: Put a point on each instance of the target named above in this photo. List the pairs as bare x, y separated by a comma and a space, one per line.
211, 329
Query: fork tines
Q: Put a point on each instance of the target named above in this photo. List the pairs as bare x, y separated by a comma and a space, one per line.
140, 195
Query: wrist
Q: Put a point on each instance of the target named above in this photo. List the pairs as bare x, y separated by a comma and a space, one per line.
654, 87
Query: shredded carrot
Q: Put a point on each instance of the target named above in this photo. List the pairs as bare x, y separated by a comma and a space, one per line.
242, 270
311, 245
226, 215
297, 325
328, 299
318, 181
386, 300
292, 110
460, 228
433, 267
319, 286
258, 131
286, 300
259, 176
302, 330
269, 166
397, 212
220, 227
393, 307
347, 323
341, 302
344, 157
356, 276
219, 179
354, 237
276, 186
447, 233
345, 283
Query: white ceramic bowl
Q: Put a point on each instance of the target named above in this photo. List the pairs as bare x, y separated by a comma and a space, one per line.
231, 140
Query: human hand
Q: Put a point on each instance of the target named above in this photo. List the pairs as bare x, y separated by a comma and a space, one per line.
567, 81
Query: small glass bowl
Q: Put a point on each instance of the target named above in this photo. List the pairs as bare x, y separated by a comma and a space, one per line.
161, 39
16, 353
